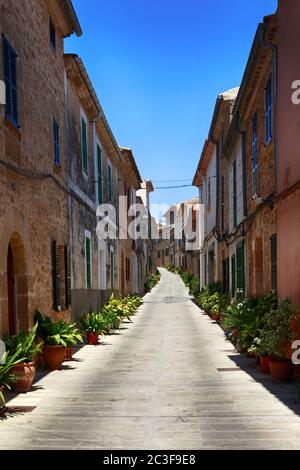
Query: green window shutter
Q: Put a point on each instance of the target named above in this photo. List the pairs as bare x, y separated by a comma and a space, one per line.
234, 194
112, 270
240, 271
88, 263
84, 148
56, 276
110, 184
273, 241
68, 277
233, 276
100, 178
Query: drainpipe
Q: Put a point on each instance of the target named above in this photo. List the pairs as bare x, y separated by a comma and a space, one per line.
274, 50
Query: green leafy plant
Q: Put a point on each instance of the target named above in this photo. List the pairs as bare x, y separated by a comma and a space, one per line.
24, 344
74, 336
277, 332
6, 376
94, 323
258, 347
54, 333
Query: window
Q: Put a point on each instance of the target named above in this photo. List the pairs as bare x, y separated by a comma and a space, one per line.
88, 259
110, 183
52, 34
128, 269
112, 269
158, 254
84, 147
234, 194
273, 241
233, 276
56, 142
268, 111
167, 252
61, 274
10, 79
254, 156
240, 271
99, 176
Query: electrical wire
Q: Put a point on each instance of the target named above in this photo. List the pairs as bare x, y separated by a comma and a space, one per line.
173, 187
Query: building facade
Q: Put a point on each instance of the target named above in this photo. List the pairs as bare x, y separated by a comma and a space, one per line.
33, 162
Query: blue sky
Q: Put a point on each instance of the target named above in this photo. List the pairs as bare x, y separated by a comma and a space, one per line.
157, 67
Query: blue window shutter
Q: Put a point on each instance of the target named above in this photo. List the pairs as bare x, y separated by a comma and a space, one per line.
10, 78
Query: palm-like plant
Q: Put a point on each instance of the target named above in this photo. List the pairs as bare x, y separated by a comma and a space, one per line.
94, 323
24, 344
6, 377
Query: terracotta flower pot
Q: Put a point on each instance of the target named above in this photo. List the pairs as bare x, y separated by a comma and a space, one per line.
92, 338
54, 356
25, 374
281, 371
265, 364
69, 353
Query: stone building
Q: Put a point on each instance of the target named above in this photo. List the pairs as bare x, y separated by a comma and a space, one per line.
129, 181
94, 164
34, 230
287, 107
237, 179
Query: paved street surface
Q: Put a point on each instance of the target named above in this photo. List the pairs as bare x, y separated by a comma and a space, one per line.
169, 380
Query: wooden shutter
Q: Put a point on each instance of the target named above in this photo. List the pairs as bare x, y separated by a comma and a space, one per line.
68, 277
226, 276
84, 145
273, 242
240, 271
56, 276
88, 263
234, 194
112, 270
233, 276
10, 78
100, 180
56, 142
110, 192
254, 156
127, 269
268, 111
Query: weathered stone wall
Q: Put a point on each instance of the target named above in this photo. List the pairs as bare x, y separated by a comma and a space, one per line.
33, 206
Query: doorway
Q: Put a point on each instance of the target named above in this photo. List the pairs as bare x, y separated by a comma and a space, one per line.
11, 288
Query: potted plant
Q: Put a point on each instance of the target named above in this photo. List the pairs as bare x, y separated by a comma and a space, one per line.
23, 346
73, 338
55, 336
93, 325
6, 375
260, 349
277, 335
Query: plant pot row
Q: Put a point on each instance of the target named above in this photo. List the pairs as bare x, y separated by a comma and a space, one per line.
281, 371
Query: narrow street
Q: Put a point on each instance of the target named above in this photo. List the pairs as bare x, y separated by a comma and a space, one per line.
169, 380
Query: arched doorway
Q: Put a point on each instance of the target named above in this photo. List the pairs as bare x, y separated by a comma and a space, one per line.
11, 292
